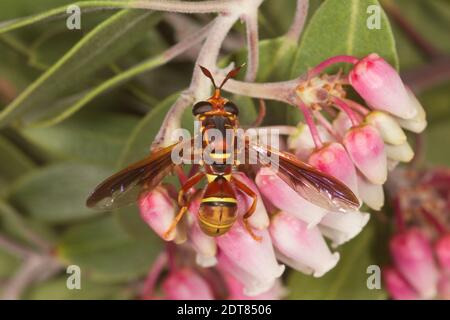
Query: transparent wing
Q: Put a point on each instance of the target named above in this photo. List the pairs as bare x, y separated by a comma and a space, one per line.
317, 187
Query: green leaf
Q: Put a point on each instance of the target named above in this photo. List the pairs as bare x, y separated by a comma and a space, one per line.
141, 138
8, 264
87, 97
14, 162
17, 23
339, 27
97, 49
23, 229
56, 289
348, 280
94, 137
104, 251
57, 193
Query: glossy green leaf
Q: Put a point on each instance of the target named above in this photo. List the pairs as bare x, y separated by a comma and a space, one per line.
141, 138
102, 249
101, 46
348, 280
340, 28
94, 137
57, 193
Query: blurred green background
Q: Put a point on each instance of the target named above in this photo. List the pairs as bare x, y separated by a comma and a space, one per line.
65, 130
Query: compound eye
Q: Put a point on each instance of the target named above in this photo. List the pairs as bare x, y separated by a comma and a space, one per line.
231, 108
201, 107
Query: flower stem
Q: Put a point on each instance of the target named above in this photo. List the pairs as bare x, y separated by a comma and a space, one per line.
356, 106
433, 221
333, 60
251, 22
344, 107
310, 123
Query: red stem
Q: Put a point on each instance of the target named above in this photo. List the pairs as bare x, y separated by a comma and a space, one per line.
310, 122
344, 107
333, 60
153, 275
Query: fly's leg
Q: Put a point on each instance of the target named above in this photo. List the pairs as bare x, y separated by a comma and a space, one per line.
182, 202
244, 188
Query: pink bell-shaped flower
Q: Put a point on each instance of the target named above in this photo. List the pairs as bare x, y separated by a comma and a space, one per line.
256, 259
334, 160
380, 85
366, 148
186, 284
283, 197
157, 209
300, 244
397, 286
413, 256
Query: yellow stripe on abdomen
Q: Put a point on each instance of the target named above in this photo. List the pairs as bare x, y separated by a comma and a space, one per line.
219, 199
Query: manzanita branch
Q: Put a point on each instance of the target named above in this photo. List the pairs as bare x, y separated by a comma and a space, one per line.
251, 22
301, 13
13, 247
207, 57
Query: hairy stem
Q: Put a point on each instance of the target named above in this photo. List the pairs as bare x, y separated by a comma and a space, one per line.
298, 23
251, 21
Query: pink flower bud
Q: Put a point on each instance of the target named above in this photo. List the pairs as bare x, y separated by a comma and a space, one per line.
186, 284
444, 287
413, 257
402, 152
253, 285
380, 85
371, 194
418, 123
366, 149
302, 143
298, 243
442, 248
397, 286
286, 199
204, 246
387, 126
259, 219
341, 124
341, 227
334, 160
256, 259
158, 210
236, 290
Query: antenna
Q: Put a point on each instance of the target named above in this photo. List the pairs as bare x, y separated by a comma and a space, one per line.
233, 73
207, 73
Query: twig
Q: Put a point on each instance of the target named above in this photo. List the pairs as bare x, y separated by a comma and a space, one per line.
429, 75
251, 22
298, 23
209, 6
15, 286
14, 248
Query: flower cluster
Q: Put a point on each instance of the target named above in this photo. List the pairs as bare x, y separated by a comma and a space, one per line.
341, 137
420, 249
357, 143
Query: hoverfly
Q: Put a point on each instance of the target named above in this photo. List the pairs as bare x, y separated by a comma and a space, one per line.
218, 208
